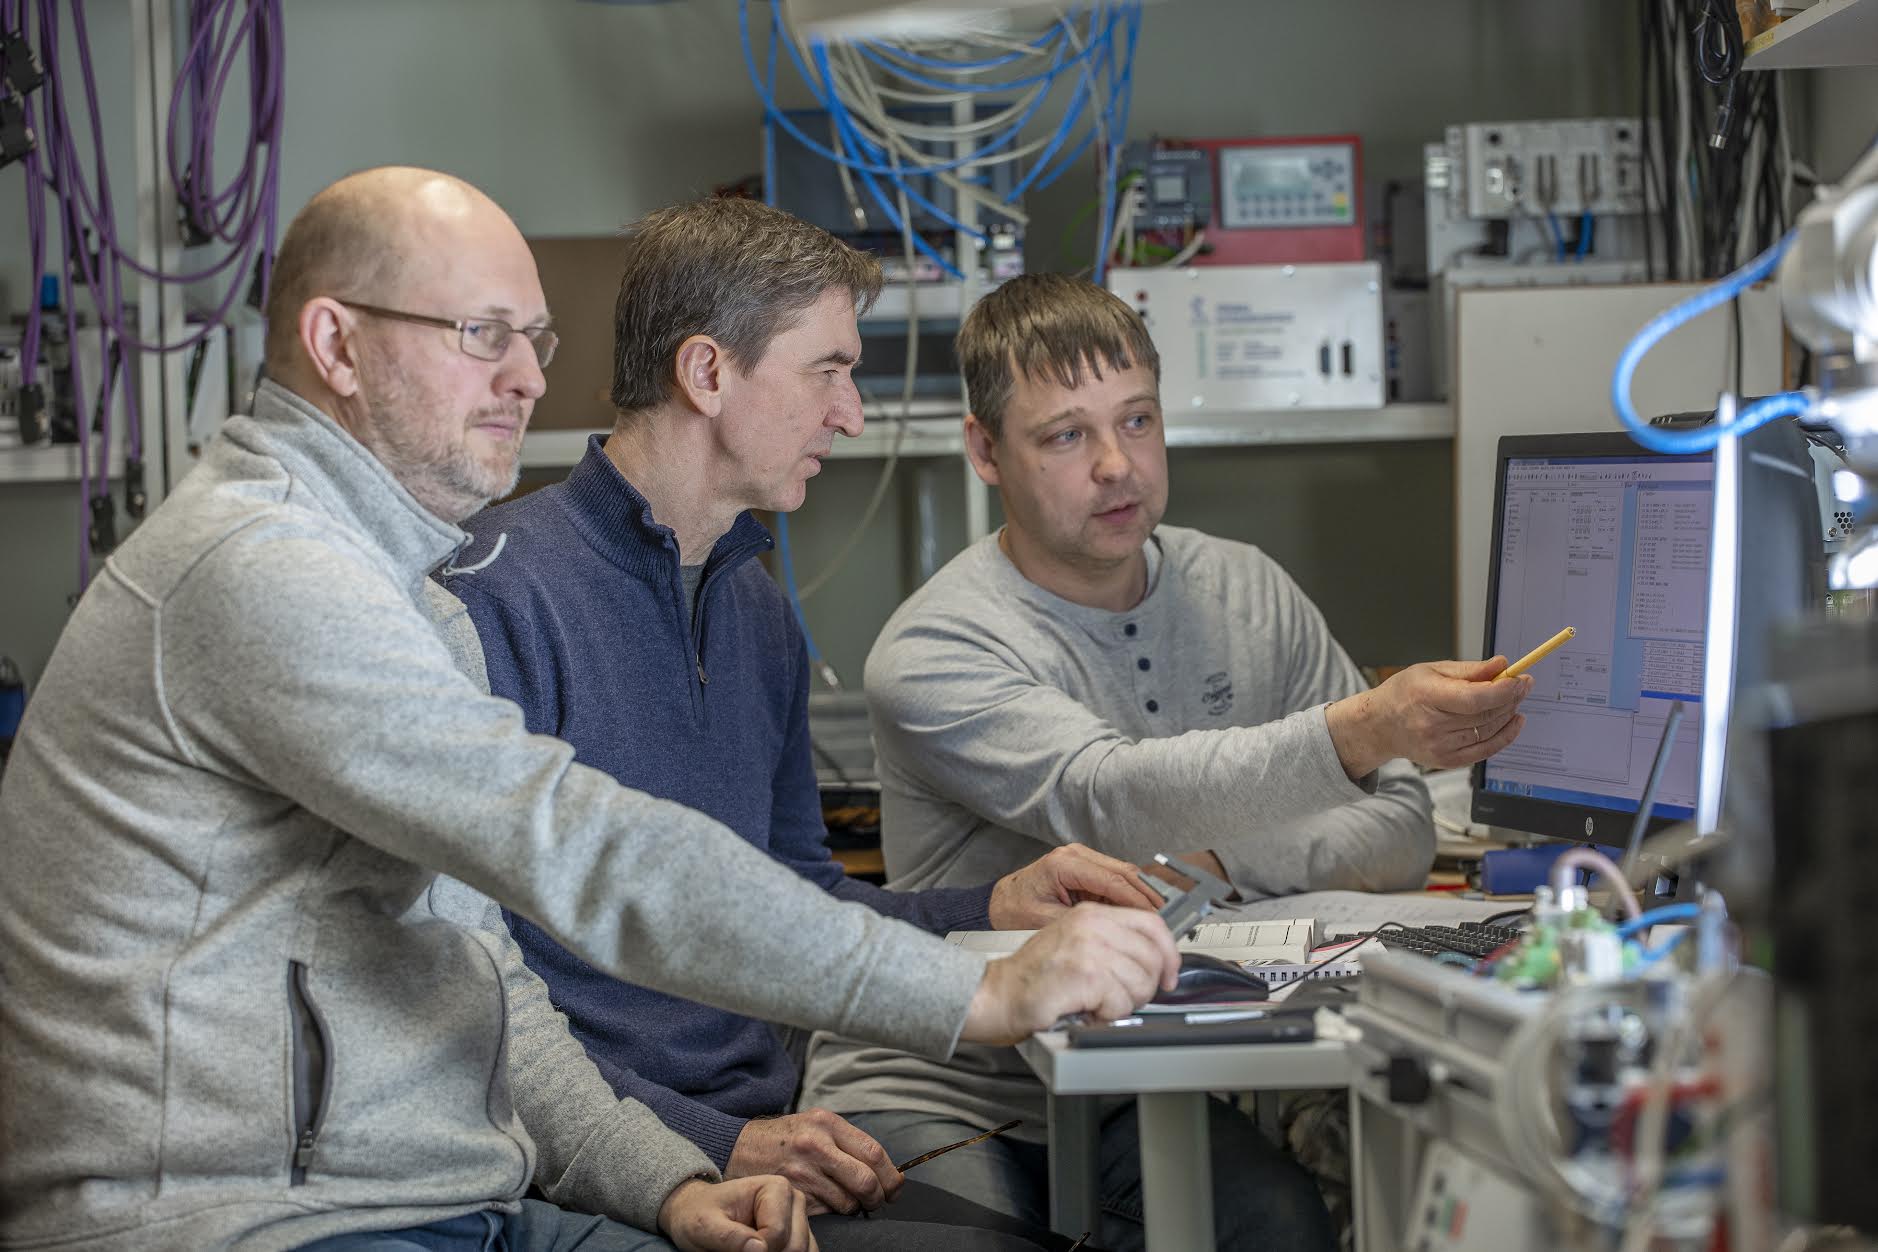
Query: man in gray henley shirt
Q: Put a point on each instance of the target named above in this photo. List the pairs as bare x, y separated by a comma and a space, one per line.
1088, 675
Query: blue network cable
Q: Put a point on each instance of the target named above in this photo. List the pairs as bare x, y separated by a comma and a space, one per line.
1701, 438
1650, 956
1667, 913
1647, 957
784, 556
1101, 58
787, 561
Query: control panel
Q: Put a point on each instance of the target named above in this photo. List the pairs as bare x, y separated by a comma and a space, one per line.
1256, 201
1173, 187
1269, 187
1569, 166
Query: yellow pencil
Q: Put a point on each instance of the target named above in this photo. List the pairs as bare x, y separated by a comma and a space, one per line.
1537, 655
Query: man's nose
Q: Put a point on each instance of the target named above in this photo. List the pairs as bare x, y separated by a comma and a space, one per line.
847, 416
1111, 462
519, 373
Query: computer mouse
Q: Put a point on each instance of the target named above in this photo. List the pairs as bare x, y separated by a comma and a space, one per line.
1209, 980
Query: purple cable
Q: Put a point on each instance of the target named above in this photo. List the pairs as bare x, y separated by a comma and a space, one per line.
243, 214
13, 18
103, 224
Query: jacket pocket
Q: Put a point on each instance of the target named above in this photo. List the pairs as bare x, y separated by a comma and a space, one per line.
312, 1072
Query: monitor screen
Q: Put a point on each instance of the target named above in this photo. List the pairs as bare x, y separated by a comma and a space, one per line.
1769, 571
1594, 533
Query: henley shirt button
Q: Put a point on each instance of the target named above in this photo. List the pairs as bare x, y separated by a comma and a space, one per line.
1142, 663
1129, 630
1154, 706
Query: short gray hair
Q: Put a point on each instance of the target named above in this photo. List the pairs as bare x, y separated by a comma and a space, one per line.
736, 270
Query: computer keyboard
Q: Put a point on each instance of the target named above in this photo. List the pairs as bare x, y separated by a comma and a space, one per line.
1470, 939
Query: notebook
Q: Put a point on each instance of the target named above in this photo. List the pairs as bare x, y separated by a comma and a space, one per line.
1288, 941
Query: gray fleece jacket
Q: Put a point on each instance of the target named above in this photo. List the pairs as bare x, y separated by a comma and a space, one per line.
1007, 719
234, 1007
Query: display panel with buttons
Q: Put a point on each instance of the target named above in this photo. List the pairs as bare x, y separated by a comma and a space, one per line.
1287, 185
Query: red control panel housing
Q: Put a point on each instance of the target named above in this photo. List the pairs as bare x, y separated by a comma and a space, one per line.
1280, 201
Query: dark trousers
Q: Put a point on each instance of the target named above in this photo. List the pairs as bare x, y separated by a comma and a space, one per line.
922, 1219
925, 1218
1262, 1199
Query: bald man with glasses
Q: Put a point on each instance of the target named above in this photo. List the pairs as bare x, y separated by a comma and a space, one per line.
255, 818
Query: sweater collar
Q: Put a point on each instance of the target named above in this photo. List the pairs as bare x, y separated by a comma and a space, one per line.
1106, 625
350, 482
611, 514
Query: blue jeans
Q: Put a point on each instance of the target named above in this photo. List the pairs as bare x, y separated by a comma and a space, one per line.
538, 1227
1262, 1199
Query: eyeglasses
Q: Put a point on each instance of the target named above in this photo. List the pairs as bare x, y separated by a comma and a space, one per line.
485, 338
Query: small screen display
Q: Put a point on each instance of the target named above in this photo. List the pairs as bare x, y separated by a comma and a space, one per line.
1287, 186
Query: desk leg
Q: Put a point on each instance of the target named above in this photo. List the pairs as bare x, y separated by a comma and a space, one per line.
1075, 1125
1176, 1171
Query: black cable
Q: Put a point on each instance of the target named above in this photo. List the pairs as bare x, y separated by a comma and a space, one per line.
1662, 59
1497, 918
1340, 953
1718, 58
1343, 952
1718, 41
1738, 346
1647, 167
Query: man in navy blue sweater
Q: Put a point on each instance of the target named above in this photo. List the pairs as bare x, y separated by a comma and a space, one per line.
622, 611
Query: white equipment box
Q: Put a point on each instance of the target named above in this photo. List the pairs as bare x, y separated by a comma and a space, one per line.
1572, 165
1463, 1206
1252, 338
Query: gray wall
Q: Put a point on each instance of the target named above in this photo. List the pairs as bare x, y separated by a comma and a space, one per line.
1844, 108
580, 116
1367, 530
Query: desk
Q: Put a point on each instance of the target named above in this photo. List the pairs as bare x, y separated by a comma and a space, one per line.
1170, 1085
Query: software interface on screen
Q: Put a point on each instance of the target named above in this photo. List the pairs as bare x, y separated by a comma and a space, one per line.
1619, 548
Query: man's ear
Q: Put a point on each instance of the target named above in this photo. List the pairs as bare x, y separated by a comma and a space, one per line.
700, 368
982, 449
325, 328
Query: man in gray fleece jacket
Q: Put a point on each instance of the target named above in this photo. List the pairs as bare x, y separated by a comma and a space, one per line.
241, 1008
1088, 675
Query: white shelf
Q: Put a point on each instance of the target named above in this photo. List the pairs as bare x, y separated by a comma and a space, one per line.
1832, 32
1390, 424
942, 436
49, 463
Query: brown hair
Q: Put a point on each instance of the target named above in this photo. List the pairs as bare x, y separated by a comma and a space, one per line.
736, 270
1046, 325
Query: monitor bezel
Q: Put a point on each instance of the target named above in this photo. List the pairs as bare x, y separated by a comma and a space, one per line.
1579, 823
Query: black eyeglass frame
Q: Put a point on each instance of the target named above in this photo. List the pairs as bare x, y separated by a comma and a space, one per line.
541, 338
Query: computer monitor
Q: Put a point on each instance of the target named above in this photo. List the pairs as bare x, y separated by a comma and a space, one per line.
1769, 571
1592, 531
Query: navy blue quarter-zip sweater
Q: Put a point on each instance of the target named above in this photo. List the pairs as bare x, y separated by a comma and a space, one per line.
581, 615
